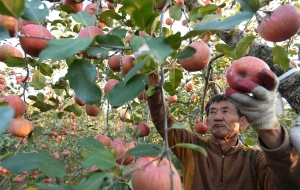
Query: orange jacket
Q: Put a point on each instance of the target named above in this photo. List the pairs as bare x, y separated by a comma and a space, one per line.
242, 167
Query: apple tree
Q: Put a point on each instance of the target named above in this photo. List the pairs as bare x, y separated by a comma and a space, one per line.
81, 68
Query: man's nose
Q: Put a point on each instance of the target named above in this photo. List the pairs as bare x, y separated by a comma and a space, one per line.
218, 116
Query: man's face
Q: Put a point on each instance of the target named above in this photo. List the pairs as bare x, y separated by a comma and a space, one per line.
223, 120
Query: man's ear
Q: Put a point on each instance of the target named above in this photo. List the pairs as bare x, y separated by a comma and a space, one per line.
243, 123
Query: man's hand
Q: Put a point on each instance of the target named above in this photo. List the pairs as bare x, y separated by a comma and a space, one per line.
259, 109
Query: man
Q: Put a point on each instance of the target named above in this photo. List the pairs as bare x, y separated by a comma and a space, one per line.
229, 163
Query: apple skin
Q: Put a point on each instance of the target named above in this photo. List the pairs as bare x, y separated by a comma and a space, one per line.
7, 51
78, 101
121, 148
33, 46
127, 63
200, 128
20, 127
9, 23
189, 87
144, 127
199, 60
281, 25
110, 85
172, 99
114, 63
246, 67
92, 110
104, 139
16, 103
91, 8
77, 6
156, 175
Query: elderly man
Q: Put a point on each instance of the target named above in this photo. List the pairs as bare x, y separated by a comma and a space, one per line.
229, 163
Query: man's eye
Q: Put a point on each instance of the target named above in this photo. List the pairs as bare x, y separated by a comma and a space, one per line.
212, 112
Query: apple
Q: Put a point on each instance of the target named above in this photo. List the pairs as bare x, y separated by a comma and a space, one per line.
110, 85
47, 180
283, 23
172, 99
90, 8
19, 179
169, 21
183, 22
294, 64
101, 25
109, 6
121, 148
144, 128
66, 153
142, 96
33, 46
56, 156
25, 173
7, 51
154, 173
194, 96
9, 23
127, 38
20, 127
92, 110
206, 2
199, 60
114, 63
127, 63
246, 67
78, 101
124, 115
200, 128
179, 2
206, 38
23, 22
77, 6
143, 33
219, 77
16, 103
43, 146
189, 87
104, 139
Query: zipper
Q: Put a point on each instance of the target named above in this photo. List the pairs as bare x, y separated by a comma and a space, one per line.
222, 167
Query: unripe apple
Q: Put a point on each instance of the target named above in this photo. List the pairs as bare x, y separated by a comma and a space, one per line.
154, 174
127, 63
16, 103
246, 67
20, 127
281, 25
77, 6
144, 128
114, 63
33, 46
121, 148
172, 99
7, 51
201, 128
92, 110
110, 85
104, 139
199, 60
90, 8
78, 101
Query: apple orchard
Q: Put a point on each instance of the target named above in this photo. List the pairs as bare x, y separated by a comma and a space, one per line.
73, 81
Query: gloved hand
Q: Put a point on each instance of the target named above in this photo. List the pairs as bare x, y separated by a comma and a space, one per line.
259, 108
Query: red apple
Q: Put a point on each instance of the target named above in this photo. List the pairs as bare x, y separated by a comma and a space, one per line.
142, 96
47, 180
92, 110
33, 46
16, 103
156, 175
189, 87
56, 156
294, 64
246, 67
114, 63
43, 146
9, 23
23, 22
121, 148
109, 6
110, 85
127, 38
144, 128
201, 128
19, 179
127, 63
7, 51
283, 23
172, 99
179, 2
66, 153
78, 101
199, 60
124, 115
194, 96
90, 8
77, 6
104, 139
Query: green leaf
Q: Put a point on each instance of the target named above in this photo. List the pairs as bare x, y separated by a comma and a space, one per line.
243, 46
186, 53
102, 159
43, 107
110, 14
121, 33
175, 12
43, 186
15, 62
46, 69
195, 14
175, 40
158, 47
151, 90
74, 108
37, 131
179, 125
35, 10
208, 9
193, 147
30, 161
122, 93
6, 115
146, 150
175, 78
168, 87
63, 49
141, 13
97, 51
81, 75
280, 57
4, 34
38, 80
226, 49
84, 18
93, 182
109, 40
12, 8
91, 144
133, 71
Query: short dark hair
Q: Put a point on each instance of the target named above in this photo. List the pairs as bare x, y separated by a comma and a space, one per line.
219, 98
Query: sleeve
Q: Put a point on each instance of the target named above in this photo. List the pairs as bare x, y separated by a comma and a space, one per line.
279, 168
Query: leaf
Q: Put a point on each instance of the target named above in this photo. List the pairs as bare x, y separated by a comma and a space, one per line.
175, 78
122, 93
193, 147
109, 40
43, 186
4, 34
74, 108
243, 46
38, 80
168, 87
208, 9
121, 33
6, 115
226, 49
102, 159
186, 53
97, 51
91, 144
175, 40
81, 75
93, 182
84, 18
110, 14
30, 161
280, 57
37, 131
175, 12
179, 125
12, 8
46, 69
133, 71
158, 47
63, 49
195, 14
35, 10
146, 150
15, 62
43, 107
